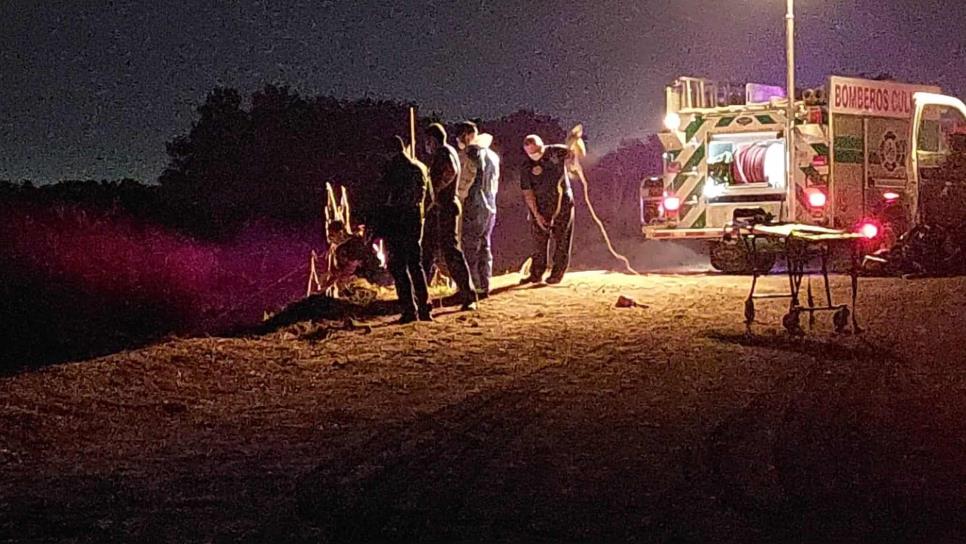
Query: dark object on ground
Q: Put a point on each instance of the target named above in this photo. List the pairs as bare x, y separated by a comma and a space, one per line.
320, 307
925, 250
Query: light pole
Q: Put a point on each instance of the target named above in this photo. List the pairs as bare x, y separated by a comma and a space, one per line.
790, 111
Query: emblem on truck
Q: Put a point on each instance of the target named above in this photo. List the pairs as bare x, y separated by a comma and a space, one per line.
891, 151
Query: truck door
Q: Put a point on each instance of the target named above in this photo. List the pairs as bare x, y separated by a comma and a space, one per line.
939, 161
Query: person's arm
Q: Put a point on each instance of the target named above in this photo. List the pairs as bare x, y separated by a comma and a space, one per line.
445, 169
530, 198
340, 274
492, 174
347, 260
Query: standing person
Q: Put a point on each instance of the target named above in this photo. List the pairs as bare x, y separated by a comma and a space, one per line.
405, 183
443, 216
545, 181
479, 183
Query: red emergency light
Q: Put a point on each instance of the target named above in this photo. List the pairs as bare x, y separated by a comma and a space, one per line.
869, 229
815, 116
815, 197
671, 204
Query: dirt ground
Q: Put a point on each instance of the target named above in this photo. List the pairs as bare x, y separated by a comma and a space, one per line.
549, 415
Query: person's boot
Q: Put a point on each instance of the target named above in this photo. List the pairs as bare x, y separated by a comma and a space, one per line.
406, 318
469, 301
531, 279
555, 277
425, 314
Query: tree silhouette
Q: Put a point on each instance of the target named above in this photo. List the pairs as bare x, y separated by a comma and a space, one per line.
204, 179
270, 163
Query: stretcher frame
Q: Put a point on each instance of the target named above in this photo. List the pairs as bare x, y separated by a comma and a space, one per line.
801, 245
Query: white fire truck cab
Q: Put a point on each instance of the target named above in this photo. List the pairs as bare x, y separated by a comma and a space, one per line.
865, 154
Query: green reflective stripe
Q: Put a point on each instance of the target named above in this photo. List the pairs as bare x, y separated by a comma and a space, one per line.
725, 121
848, 156
692, 163
849, 142
697, 157
800, 197
673, 154
765, 119
701, 221
693, 128
692, 197
820, 149
678, 182
849, 149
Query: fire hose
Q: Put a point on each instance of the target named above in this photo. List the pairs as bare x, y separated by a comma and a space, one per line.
576, 144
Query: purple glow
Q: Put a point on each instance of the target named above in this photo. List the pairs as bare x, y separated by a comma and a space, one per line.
756, 93
200, 286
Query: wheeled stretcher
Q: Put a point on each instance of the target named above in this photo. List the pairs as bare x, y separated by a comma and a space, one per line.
801, 245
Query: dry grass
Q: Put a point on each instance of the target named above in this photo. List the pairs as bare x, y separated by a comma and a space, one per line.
547, 415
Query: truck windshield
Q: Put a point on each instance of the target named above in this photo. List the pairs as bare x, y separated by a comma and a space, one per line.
941, 155
942, 134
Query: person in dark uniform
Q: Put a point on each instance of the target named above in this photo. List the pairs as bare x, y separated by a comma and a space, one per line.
406, 186
443, 216
545, 180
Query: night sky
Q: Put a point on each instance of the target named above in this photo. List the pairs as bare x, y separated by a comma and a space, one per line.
93, 89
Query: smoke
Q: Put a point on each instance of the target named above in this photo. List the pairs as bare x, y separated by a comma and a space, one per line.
645, 256
78, 284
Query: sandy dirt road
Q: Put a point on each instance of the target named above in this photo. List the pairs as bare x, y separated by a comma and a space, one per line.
547, 416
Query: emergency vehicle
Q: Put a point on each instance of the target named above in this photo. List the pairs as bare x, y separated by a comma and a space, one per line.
866, 155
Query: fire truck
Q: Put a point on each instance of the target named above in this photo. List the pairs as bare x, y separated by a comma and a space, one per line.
868, 155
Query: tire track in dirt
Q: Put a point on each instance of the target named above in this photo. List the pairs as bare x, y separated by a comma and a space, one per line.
805, 459
408, 483
412, 483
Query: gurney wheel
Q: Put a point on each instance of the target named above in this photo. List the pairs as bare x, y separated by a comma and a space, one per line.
840, 319
792, 323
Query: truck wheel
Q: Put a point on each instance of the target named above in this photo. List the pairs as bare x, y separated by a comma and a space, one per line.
732, 258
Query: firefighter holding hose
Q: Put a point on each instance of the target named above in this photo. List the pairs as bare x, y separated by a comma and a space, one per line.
545, 180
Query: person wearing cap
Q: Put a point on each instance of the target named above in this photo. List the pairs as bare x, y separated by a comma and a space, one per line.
443, 216
545, 180
478, 185
406, 187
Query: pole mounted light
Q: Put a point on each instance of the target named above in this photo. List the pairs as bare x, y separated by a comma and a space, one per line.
790, 111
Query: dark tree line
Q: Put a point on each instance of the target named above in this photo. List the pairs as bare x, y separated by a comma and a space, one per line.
268, 161
271, 161
94, 266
